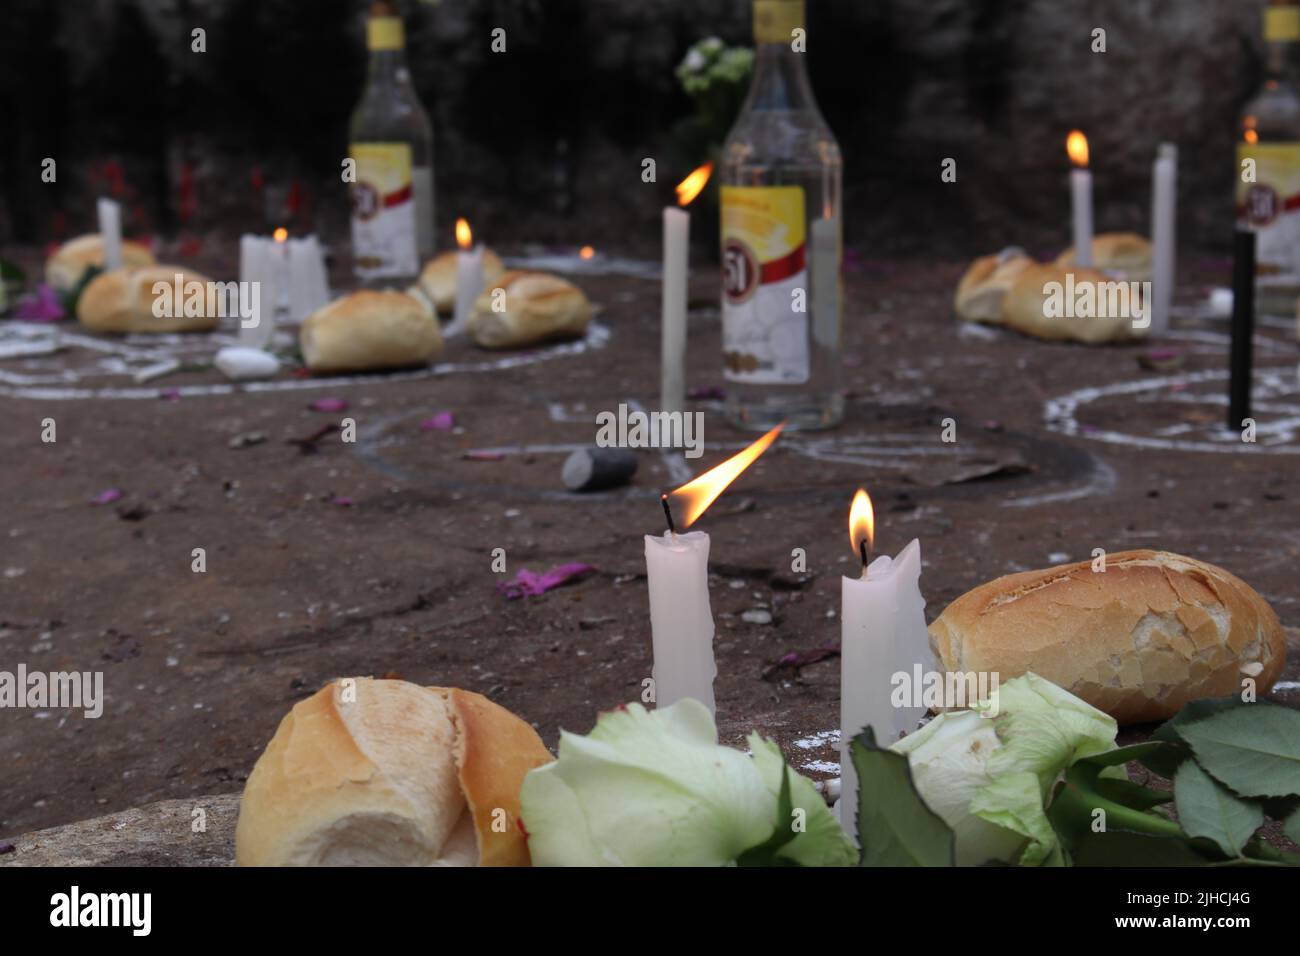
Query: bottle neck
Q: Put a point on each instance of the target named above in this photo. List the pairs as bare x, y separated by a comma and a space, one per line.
780, 71
387, 45
1278, 59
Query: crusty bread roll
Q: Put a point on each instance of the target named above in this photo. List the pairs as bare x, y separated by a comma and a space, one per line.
1026, 305
388, 773
367, 331
1139, 640
124, 300
986, 283
1122, 252
537, 307
438, 278
66, 265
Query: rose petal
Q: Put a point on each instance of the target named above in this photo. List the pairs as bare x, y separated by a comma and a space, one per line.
107, 496
329, 405
441, 422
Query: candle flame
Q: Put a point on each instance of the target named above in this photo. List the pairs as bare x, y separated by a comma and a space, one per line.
1076, 144
1252, 137
464, 238
586, 252
281, 234
698, 493
862, 522
692, 185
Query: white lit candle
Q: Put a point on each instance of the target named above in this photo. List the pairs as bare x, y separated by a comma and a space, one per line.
1164, 202
1080, 197
677, 570
883, 633
110, 232
676, 273
469, 274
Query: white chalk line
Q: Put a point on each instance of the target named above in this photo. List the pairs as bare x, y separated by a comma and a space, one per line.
597, 337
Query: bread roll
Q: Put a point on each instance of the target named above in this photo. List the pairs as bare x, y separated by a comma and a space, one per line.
389, 773
66, 265
1122, 252
438, 278
986, 283
1043, 288
537, 307
1139, 640
367, 331
124, 301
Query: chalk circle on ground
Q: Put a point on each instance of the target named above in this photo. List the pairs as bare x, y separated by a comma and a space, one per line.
47, 376
1184, 412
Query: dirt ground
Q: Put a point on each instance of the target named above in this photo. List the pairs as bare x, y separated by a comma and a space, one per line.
375, 557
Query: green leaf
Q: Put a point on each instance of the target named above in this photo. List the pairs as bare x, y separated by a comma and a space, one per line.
1167, 761
1254, 749
1208, 809
1292, 827
1122, 848
1131, 794
1121, 755
895, 827
11, 272
73, 295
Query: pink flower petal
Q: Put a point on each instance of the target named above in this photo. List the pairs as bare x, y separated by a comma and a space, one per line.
341, 502
41, 306
107, 496
441, 422
329, 405
531, 584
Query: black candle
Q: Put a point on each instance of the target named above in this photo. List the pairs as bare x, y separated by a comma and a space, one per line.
1243, 327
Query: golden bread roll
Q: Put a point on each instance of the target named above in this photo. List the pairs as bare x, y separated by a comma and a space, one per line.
1123, 252
367, 331
388, 773
535, 307
66, 265
144, 300
986, 283
438, 278
1139, 640
1074, 304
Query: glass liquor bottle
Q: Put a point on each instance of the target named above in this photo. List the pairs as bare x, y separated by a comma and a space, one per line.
1268, 190
391, 140
781, 240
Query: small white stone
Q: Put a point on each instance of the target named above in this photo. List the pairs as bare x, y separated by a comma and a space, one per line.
241, 363
1220, 303
757, 616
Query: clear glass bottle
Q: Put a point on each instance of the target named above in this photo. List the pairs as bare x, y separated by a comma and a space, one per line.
391, 140
1270, 135
781, 178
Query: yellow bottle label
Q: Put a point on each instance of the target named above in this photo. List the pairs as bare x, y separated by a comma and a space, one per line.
776, 20
383, 210
1268, 200
384, 33
764, 279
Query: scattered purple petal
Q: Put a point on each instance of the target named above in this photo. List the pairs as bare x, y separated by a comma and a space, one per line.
707, 392
42, 306
329, 405
531, 584
799, 659
170, 394
107, 496
6, 848
340, 501
483, 456
441, 422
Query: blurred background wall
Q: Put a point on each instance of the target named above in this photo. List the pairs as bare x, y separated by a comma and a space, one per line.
544, 143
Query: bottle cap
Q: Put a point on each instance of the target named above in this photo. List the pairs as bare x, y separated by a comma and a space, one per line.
776, 20
384, 33
1282, 24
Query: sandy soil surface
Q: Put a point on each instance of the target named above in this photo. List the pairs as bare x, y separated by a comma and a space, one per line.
375, 557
